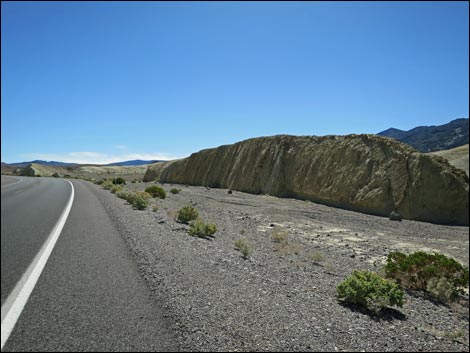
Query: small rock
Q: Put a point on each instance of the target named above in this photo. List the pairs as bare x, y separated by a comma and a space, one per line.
395, 216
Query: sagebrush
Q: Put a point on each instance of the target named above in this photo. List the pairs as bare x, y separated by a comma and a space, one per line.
369, 290
187, 214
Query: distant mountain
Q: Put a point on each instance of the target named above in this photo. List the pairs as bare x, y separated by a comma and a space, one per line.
134, 162
432, 138
131, 163
49, 163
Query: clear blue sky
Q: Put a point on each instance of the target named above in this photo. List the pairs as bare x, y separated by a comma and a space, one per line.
98, 82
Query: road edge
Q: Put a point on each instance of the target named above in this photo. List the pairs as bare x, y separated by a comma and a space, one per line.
16, 301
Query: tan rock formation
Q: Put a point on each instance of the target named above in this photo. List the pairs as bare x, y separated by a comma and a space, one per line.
367, 173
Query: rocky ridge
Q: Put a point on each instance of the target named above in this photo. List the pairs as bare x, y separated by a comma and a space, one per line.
366, 173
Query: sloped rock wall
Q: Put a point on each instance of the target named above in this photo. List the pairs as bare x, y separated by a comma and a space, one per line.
367, 173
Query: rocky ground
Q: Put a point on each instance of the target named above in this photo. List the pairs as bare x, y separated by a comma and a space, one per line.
282, 298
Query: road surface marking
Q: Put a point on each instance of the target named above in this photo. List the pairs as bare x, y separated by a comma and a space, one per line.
16, 182
16, 301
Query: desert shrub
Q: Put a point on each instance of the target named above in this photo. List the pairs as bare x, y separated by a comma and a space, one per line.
122, 195
67, 176
279, 236
99, 182
115, 189
56, 175
285, 248
187, 214
317, 256
175, 191
441, 289
119, 181
155, 208
369, 290
201, 229
140, 203
107, 184
130, 197
436, 274
243, 246
156, 191
144, 194
330, 268
133, 181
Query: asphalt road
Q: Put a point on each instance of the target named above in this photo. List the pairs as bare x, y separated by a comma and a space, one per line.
90, 296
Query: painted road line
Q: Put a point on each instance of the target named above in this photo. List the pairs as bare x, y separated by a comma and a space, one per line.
16, 182
16, 301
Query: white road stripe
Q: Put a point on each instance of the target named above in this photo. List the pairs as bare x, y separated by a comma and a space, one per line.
16, 301
16, 182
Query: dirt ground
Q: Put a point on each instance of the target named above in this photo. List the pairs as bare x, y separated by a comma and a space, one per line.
283, 297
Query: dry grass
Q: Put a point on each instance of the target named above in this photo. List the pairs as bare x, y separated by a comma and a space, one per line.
458, 157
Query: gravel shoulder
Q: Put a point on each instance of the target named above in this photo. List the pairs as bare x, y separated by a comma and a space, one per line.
282, 298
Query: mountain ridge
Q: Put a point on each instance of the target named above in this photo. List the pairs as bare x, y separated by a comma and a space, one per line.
434, 137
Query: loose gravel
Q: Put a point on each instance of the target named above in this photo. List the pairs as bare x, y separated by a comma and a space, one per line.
282, 298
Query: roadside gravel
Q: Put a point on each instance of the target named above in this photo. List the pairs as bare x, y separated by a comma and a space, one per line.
282, 298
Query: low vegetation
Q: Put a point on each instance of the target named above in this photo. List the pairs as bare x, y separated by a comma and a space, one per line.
156, 191
370, 291
122, 195
317, 257
243, 246
187, 214
202, 230
140, 203
119, 181
436, 274
279, 236
175, 191
116, 188
107, 184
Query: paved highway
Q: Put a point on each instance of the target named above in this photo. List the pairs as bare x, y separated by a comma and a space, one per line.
89, 296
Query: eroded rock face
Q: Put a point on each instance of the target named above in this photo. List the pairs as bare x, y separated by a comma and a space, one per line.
367, 173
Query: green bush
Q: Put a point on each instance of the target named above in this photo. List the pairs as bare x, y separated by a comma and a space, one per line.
156, 191
130, 197
201, 229
370, 291
119, 181
441, 289
116, 188
187, 214
56, 175
140, 203
107, 184
243, 246
174, 191
122, 195
434, 273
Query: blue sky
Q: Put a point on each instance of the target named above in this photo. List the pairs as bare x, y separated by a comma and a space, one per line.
101, 82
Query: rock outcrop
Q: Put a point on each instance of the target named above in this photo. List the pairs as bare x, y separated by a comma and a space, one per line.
366, 173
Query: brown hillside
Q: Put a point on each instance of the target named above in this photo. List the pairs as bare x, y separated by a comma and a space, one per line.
367, 173
458, 157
